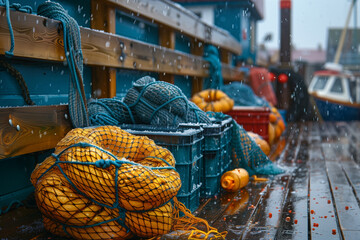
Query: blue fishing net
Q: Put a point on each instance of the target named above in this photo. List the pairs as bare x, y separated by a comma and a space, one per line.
147, 102
243, 95
246, 153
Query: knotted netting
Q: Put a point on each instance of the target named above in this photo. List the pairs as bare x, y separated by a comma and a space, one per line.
147, 102
104, 183
109, 111
246, 153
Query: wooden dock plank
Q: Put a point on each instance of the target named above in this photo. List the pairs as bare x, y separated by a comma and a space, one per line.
322, 211
294, 221
269, 215
346, 203
232, 211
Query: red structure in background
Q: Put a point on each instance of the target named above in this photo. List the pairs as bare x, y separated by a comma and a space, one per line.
261, 84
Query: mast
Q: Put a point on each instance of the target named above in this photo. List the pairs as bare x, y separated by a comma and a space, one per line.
343, 34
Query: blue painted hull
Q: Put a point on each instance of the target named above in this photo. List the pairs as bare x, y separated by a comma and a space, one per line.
331, 111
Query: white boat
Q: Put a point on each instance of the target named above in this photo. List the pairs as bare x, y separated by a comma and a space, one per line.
336, 93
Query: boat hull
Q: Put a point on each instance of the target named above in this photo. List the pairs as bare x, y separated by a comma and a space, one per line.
331, 110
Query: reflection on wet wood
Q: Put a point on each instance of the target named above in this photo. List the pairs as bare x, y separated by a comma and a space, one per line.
346, 203
322, 212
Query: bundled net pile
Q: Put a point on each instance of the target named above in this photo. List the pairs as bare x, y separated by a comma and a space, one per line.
104, 183
243, 95
147, 102
246, 153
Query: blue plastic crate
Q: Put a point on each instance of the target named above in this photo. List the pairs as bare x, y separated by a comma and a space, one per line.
186, 146
212, 133
212, 162
211, 185
190, 200
184, 143
190, 175
212, 137
225, 158
226, 127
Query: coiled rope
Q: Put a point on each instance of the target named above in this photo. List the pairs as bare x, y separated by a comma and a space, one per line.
20, 79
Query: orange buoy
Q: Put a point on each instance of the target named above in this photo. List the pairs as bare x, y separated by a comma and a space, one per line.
264, 145
234, 180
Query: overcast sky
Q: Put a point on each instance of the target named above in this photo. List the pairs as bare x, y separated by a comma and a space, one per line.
310, 21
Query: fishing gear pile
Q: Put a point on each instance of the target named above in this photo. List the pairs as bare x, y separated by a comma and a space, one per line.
147, 102
105, 183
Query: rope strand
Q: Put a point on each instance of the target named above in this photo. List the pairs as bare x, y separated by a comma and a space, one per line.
74, 57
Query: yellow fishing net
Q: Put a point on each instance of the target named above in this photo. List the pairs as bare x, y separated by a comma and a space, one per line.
104, 183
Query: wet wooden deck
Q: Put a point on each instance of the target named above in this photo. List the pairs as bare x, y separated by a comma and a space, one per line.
317, 198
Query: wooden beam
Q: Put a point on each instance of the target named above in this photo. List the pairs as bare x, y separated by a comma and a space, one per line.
32, 128
180, 19
40, 38
103, 79
231, 73
166, 39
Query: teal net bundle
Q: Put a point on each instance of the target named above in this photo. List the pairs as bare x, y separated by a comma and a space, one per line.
246, 153
147, 102
243, 95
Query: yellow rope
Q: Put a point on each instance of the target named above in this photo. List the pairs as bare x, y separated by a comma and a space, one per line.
190, 222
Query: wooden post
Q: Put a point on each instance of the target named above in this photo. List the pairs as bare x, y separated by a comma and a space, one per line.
166, 39
103, 78
225, 56
197, 48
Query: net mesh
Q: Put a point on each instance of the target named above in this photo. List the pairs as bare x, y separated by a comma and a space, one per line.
147, 102
104, 183
246, 153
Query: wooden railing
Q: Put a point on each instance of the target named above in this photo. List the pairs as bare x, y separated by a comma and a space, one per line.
30, 129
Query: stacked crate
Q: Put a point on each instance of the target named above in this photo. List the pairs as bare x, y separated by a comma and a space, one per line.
252, 119
216, 153
186, 146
